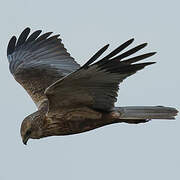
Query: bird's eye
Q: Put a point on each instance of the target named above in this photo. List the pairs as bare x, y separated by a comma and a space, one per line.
28, 132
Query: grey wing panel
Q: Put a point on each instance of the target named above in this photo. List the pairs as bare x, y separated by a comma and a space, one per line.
38, 50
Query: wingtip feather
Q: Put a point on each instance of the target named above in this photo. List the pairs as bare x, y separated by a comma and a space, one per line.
23, 36
11, 45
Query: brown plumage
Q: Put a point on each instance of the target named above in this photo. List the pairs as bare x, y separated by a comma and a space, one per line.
73, 99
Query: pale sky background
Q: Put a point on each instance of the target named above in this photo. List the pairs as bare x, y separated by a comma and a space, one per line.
120, 151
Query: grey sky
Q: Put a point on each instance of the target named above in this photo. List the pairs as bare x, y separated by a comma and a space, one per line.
121, 151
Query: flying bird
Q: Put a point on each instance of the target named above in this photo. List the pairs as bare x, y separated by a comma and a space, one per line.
70, 98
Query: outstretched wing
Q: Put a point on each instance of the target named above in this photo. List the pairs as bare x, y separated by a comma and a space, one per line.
95, 85
36, 61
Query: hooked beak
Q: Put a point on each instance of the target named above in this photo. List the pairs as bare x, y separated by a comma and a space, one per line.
25, 140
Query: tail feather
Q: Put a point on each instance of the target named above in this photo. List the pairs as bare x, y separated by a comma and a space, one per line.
145, 112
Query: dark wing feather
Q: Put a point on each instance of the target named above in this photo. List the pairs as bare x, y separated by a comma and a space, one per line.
96, 56
36, 61
11, 45
33, 36
119, 49
22, 38
130, 52
96, 85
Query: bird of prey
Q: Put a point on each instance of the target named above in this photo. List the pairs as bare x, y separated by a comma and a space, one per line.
71, 98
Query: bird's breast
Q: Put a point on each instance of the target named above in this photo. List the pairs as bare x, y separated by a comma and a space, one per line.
72, 121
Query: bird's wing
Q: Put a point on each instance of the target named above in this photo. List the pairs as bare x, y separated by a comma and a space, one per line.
36, 61
95, 85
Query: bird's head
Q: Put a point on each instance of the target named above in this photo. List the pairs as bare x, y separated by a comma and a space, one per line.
30, 127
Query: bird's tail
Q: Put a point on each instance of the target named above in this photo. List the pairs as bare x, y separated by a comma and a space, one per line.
138, 114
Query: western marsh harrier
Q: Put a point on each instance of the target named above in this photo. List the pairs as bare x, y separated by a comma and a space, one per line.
71, 98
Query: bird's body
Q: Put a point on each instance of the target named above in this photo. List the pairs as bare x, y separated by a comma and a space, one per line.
73, 99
